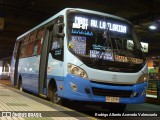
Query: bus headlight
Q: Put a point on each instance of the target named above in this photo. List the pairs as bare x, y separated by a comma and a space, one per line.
75, 70
142, 78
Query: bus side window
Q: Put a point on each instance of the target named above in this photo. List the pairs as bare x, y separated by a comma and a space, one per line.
39, 41
16, 50
31, 44
57, 49
24, 47
38, 46
57, 39
30, 49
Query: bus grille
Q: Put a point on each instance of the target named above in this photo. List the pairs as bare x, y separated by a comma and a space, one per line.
111, 84
113, 93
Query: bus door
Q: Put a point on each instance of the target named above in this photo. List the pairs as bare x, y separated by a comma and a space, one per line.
16, 57
44, 60
53, 33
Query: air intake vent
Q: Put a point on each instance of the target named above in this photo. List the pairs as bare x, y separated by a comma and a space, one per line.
112, 84
113, 93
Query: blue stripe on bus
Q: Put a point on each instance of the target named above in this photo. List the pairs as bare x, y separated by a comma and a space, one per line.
82, 84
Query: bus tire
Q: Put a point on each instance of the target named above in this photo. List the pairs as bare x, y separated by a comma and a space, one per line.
20, 85
54, 97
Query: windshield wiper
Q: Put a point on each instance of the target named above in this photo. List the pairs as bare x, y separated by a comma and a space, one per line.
126, 53
106, 45
138, 51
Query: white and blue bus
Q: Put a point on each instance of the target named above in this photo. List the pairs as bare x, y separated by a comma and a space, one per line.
82, 55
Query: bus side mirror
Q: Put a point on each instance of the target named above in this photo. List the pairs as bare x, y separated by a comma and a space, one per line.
58, 30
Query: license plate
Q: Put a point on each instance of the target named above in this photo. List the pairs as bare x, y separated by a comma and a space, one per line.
112, 99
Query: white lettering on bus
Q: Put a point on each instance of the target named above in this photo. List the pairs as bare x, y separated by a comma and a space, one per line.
82, 23
117, 28
102, 25
94, 23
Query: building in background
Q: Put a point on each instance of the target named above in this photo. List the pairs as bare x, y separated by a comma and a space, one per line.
5, 68
154, 77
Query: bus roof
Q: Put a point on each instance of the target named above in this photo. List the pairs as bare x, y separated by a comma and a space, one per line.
63, 12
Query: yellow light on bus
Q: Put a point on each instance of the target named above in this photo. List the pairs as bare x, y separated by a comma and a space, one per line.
61, 87
142, 78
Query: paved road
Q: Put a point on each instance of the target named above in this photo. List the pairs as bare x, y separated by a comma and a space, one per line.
17, 105
133, 109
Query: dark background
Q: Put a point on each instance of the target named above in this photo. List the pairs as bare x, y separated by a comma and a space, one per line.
22, 15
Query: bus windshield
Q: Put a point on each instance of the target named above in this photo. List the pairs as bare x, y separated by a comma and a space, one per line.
103, 38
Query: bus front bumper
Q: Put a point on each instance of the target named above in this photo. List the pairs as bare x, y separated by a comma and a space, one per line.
76, 88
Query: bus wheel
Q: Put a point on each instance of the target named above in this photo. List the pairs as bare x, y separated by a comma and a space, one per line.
20, 86
54, 97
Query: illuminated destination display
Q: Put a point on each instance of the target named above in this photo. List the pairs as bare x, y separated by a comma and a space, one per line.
83, 23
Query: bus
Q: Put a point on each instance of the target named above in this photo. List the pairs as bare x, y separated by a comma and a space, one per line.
82, 55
